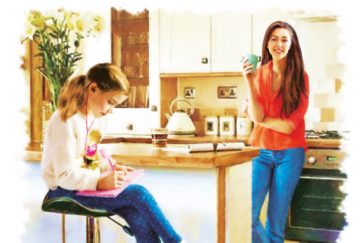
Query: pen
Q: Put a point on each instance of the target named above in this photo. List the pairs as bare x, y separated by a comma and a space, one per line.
107, 157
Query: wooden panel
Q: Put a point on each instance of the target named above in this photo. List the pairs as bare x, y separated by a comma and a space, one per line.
168, 92
221, 205
324, 143
130, 51
36, 99
115, 38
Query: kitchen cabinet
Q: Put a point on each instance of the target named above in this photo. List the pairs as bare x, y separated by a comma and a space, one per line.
191, 42
130, 51
196, 43
144, 41
231, 39
184, 42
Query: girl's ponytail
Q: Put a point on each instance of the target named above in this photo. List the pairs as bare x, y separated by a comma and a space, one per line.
71, 98
108, 77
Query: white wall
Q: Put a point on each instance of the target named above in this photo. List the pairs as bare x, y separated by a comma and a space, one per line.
98, 49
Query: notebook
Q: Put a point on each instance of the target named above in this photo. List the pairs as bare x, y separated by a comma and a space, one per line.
130, 178
205, 147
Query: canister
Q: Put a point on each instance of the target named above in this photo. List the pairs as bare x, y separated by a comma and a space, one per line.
211, 125
227, 126
244, 126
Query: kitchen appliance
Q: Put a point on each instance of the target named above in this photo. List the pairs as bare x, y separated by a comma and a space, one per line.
179, 122
315, 213
333, 134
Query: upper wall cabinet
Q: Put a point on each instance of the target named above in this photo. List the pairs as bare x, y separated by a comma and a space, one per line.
184, 42
231, 37
192, 42
130, 51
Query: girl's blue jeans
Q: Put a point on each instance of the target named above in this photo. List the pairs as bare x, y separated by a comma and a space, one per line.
275, 172
137, 206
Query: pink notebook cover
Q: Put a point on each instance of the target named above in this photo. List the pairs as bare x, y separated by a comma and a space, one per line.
130, 178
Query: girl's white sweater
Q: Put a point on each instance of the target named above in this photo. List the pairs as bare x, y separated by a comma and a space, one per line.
64, 144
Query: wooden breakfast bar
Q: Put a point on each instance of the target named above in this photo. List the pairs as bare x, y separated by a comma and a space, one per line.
145, 154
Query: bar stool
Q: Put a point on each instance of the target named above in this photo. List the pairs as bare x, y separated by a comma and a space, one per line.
66, 205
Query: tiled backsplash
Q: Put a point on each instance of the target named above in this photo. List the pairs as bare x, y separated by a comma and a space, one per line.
326, 101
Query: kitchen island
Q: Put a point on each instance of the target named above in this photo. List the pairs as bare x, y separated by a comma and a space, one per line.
142, 154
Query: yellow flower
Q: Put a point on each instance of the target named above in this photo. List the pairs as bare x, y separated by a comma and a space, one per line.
36, 19
99, 24
80, 24
29, 30
69, 19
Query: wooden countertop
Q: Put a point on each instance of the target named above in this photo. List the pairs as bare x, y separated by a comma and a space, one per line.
140, 154
116, 139
311, 143
173, 139
324, 143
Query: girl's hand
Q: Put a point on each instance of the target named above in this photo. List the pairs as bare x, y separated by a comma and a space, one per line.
247, 68
119, 167
110, 180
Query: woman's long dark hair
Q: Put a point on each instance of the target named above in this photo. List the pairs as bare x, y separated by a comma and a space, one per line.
293, 85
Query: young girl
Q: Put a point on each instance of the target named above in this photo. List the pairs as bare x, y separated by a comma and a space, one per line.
82, 104
277, 102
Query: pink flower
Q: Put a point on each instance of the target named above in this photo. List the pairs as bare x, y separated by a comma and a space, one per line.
91, 149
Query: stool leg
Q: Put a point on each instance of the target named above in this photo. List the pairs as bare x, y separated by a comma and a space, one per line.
92, 230
63, 228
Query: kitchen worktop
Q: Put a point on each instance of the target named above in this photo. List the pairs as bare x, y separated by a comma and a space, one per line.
117, 138
311, 143
140, 154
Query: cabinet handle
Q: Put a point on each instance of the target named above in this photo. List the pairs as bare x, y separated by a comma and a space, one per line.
204, 60
129, 127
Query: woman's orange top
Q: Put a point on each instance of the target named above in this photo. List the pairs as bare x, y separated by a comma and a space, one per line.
270, 102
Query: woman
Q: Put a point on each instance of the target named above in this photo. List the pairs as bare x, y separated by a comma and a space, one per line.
277, 102
68, 167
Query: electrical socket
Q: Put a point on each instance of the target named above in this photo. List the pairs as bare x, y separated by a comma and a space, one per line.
227, 92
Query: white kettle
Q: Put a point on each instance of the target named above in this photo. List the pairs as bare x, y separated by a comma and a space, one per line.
179, 122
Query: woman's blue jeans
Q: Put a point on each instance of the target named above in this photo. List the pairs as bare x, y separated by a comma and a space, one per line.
137, 206
275, 172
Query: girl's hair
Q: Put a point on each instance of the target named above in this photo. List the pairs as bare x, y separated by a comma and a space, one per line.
293, 85
108, 78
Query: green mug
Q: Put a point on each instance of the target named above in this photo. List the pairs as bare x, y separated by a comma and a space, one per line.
253, 59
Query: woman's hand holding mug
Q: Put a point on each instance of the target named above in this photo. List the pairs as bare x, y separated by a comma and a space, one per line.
249, 65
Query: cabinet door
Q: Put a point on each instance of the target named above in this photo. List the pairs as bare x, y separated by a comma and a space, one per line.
231, 39
184, 41
130, 120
